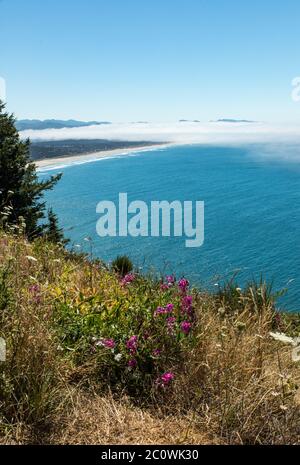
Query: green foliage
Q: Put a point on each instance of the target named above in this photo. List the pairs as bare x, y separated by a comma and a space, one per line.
122, 265
53, 232
257, 297
20, 188
131, 331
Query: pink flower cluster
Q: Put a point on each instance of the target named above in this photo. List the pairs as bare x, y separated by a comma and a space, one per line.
35, 292
169, 282
186, 327
165, 379
132, 344
128, 278
108, 343
183, 285
171, 320
34, 288
132, 363
164, 310
170, 279
186, 309
187, 305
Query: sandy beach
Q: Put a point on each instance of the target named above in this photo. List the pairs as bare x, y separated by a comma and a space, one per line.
57, 162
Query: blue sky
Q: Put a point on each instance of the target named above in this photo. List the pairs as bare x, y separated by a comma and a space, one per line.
158, 60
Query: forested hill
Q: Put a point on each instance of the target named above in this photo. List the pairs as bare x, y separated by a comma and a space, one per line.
51, 149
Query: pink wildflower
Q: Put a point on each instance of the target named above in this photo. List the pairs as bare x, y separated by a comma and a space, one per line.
171, 320
165, 379
170, 308
132, 344
183, 284
132, 363
156, 352
127, 279
187, 304
164, 287
186, 327
159, 311
108, 343
35, 291
170, 280
34, 288
164, 310
188, 300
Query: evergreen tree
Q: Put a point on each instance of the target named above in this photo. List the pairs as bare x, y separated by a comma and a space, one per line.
52, 231
20, 187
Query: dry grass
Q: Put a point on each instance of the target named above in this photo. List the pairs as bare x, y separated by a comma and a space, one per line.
238, 386
243, 385
103, 420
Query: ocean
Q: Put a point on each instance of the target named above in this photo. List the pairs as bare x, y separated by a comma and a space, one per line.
252, 211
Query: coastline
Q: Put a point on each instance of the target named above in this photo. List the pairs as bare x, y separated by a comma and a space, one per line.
56, 162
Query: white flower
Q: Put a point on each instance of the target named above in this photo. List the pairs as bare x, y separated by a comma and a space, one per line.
282, 338
31, 259
294, 341
118, 357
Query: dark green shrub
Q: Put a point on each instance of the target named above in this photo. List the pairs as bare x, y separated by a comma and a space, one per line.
122, 265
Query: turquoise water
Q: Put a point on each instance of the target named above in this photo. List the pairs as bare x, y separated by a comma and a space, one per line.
252, 211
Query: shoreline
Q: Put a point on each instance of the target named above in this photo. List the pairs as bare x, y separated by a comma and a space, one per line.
56, 162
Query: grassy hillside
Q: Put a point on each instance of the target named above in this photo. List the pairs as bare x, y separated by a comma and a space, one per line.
93, 357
